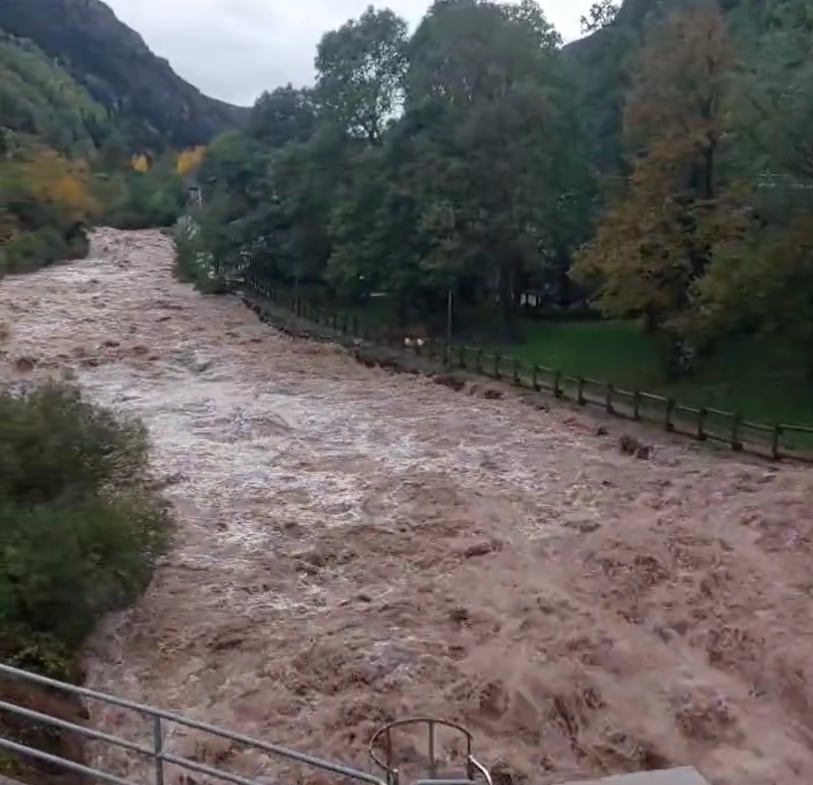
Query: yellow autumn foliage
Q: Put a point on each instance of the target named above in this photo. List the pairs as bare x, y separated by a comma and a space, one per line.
140, 163
658, 237
189, 160
46, 203
52, 179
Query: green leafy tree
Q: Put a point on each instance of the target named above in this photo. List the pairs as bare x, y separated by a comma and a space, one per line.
491, 207
284, 115
763, 280
600, 15
377, 241
360, 70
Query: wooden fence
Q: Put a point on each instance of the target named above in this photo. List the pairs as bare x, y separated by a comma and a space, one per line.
704, 424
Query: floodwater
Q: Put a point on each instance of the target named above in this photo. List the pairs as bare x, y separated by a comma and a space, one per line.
356, 547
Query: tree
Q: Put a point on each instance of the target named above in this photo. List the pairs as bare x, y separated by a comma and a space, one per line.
653, 243
600, 15
140, 163
189, 160
284, 115
530, 14
775, 95
764, 280
307, 177
360, 70
377, 241
492, 151
63, 184
467, 49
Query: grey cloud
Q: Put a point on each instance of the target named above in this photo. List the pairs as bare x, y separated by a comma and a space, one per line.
235, 49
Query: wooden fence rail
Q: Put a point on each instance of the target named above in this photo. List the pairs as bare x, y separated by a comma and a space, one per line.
774, 441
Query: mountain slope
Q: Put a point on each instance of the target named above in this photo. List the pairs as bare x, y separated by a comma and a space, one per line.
118, 69
41, 100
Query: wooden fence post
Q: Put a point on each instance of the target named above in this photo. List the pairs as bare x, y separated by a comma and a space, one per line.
667, 423
608, 399
777, 433
736, 444
701, 421
535, 380
580, 392
636, 406
557, 383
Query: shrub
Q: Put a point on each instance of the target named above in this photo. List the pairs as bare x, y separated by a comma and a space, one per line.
193, 263
81, 524
143, 200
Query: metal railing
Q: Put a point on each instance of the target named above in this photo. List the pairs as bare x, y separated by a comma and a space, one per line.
383, 738
157, 754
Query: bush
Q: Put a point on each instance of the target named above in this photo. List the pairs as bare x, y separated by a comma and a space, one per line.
32, 250
144, 200
35, 249
81, 524
193, 263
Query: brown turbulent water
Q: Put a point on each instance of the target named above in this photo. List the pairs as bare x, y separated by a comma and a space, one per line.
356, 547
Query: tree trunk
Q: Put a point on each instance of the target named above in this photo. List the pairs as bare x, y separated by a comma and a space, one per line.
507, 296
402, 309
564, 294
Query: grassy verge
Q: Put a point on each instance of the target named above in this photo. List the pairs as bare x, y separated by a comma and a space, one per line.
760, 379
756, 383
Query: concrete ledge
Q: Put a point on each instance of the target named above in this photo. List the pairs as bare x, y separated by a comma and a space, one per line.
687, 775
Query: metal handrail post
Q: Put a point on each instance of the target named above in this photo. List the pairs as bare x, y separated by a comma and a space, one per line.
158, 748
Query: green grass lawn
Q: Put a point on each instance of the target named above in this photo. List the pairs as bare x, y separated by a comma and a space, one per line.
755, 377
762, 380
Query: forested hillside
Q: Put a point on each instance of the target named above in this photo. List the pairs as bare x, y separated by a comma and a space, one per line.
659, 169
49, 127
149, 101
92, 128
38, 98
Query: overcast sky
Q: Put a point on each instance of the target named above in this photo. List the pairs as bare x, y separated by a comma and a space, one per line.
235, 49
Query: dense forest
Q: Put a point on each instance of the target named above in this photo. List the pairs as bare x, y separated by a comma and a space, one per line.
658, 170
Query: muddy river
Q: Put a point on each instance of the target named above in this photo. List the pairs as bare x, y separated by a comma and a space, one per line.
356, 546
